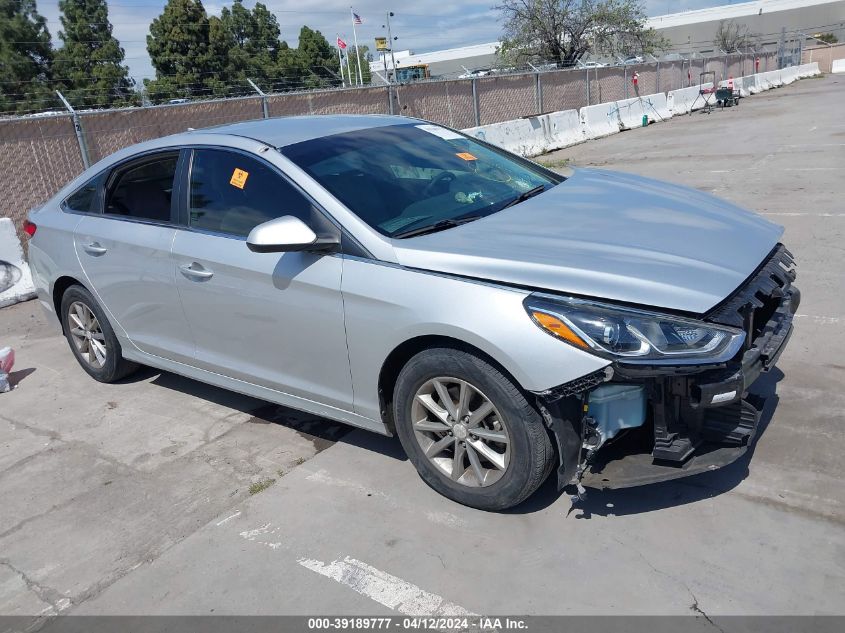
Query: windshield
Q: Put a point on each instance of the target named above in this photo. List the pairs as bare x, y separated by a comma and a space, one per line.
401, 179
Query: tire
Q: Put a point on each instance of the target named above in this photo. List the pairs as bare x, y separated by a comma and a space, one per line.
99, 354
527, 455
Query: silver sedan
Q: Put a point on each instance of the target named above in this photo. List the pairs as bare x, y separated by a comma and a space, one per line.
503, 320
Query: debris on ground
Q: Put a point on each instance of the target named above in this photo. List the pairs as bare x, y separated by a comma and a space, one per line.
7, 360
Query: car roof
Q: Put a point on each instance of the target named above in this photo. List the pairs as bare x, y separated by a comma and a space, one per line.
283, 131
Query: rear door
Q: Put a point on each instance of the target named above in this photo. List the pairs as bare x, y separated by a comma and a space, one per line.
271, 319
124, 251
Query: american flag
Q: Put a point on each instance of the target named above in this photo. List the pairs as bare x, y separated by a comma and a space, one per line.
341, 44
356, 18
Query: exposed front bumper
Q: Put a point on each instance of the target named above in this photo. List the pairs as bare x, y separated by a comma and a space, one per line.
700, 417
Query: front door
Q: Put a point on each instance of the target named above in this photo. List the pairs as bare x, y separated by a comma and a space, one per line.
124, 251
271, 319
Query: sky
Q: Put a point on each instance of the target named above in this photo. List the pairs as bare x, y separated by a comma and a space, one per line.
425, 25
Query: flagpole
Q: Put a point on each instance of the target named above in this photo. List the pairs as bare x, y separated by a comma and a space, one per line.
357, 50
340, 59
348, 72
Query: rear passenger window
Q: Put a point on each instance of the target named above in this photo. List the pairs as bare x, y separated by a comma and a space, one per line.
86, 199
144, 190
232, 193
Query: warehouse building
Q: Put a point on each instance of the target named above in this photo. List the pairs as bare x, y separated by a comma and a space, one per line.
694, 31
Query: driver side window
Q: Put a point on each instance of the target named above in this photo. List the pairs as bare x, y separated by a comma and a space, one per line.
232, 193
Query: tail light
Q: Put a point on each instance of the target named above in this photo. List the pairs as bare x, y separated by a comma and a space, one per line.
29, 227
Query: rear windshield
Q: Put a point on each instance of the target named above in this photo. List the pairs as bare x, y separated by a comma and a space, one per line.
402, 177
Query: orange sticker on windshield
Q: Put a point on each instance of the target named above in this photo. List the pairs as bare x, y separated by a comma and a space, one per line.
238, 179
466, 156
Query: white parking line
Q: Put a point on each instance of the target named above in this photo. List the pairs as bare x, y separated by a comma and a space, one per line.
237, 514
390, 591
322, 476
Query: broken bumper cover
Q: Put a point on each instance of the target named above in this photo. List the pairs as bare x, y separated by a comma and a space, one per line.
701, 418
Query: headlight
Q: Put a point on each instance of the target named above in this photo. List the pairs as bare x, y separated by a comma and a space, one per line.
631, 335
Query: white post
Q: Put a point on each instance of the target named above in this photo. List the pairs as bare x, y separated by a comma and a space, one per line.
348, 72
263, 96
77, 126
357, 50
339, 58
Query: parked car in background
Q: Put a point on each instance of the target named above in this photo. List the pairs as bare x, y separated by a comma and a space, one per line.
504, 320
477, 72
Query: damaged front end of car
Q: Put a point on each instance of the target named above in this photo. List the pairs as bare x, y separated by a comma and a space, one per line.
675, 399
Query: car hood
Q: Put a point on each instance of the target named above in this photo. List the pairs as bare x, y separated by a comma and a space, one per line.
608, 235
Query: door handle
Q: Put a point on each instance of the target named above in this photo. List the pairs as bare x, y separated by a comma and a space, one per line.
195, 271
94, 248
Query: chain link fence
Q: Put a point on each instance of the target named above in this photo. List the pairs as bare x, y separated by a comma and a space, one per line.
108, 131
449, 103
43, 152
39, 156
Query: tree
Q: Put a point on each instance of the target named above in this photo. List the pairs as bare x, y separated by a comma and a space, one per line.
25, 58
319, 59
827, 38
563, 31
366, 58
252, 44
290, 69
220, 44
178, 45
732, 37
89, 67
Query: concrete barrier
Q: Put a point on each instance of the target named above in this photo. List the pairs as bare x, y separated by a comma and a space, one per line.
525, 137
599, 120
566, 128
837, 66
750, 84
789, 75
532, 136
630, 113
808, 70
15, 276
685, 100
656, 107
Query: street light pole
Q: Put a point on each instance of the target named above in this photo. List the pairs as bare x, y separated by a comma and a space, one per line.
390, 39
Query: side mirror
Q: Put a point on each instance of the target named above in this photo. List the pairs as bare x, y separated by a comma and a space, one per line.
283, 234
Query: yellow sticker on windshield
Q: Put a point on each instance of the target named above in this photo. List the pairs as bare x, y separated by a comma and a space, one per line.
238, 179
466, 156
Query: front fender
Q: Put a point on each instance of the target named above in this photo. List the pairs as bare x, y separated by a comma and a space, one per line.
386, 305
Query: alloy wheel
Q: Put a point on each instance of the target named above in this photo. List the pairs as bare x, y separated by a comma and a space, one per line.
87, 335
460, 431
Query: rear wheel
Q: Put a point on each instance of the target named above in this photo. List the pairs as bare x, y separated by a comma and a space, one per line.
469, 430
91, 337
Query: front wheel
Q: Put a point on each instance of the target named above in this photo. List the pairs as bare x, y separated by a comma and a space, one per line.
469, 430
